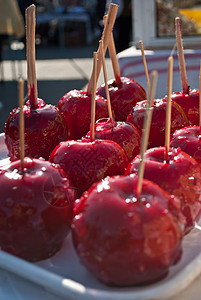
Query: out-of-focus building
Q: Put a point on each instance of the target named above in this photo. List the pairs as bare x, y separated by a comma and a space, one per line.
157, 26
67, 22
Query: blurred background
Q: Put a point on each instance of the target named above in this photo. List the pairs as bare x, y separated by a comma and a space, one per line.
68, 31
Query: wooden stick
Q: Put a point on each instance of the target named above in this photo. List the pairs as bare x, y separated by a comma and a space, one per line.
31, 70
168, 107
105, 79
173, 49
113, 55
146, 130
145, 68
21, 121
93, 97
200, 97
180, 50
105, 37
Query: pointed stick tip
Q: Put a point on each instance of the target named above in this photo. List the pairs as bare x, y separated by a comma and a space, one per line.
30, 10
170, 58
116, 6
31, 7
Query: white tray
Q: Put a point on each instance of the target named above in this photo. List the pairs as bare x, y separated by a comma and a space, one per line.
62, 275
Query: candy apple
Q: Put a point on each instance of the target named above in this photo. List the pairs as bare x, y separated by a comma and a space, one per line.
188, 98
157, 130
44, 124
178, 174
124, 134
188, 139
87, 162
124, 240
123, 95
189, 102
76, 109
45, 128
35, 208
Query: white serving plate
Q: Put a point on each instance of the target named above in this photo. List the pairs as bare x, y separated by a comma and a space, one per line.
62, 275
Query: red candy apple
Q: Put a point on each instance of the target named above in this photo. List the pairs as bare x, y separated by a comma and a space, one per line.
157, 130
76, 109
189, 102
87, 162
76, 105
35, 208
178, 174
188, 139
188, 98
123, 95
45, 128
124, 134
125, 241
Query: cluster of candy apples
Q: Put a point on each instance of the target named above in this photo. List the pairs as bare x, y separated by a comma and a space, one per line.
113, 228
124, 238
39, 218
37, 197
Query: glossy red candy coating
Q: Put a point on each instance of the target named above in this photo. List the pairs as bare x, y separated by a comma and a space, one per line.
123, 241
124, 134
76, 109
123, 96
45, 128
35, 209
157, 130
41, 103
188, 139
179, 176
87, 162
189, 103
